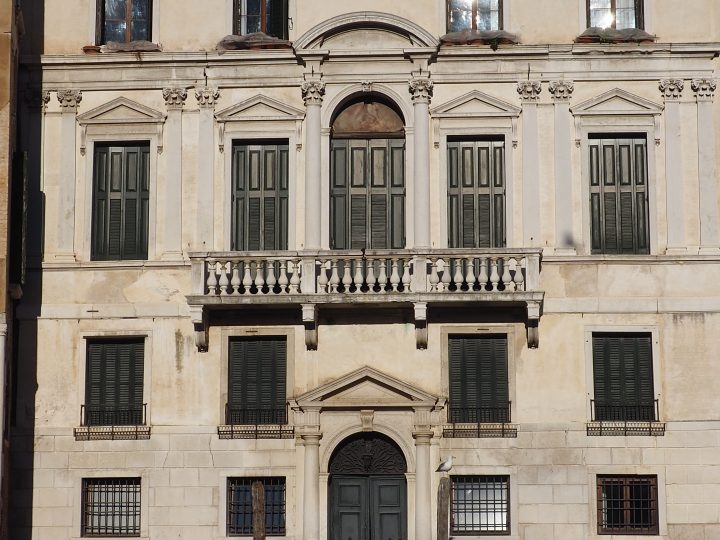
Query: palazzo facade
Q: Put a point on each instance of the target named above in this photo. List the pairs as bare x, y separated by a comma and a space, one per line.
286, 257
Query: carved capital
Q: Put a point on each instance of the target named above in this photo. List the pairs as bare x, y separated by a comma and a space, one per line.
207, 96
529, 90
313, 92
421, 89
671, 88
704, 89
561, 90
69, 99
36, 98
174, 98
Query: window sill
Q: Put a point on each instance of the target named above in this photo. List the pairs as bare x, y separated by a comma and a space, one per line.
112, 433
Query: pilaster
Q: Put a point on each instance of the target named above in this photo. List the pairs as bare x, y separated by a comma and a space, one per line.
561, 92
311, 436
313, 91
421, 90
206, 98
172, 193
529, 92
423, 483
707, 166
671, 90
65, 227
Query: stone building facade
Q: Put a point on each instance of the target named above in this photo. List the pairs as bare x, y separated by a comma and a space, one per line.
308, 265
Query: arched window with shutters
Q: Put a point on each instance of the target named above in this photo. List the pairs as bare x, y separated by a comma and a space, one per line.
367, 176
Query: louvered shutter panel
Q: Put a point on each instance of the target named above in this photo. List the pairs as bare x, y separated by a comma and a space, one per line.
339, 194
378, 222
455, 362
358, 222
94, 377
101, 168
646, 390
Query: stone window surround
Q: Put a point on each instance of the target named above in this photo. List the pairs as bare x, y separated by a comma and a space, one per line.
512, 334
92, 21
634, 329
139, 332
582, 21
622, 470
610, 125
227, 332
80, 474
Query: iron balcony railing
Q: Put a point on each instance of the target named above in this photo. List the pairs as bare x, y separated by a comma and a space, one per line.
495, 414
239, 415
633, 412
134, 415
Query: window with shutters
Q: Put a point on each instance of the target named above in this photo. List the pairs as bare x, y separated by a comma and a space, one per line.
480, 505
618, 14
257, 375
260, 196
483, 15
368, 193
111, 507
476, 194
262, 497
618, 195
123, 21
623, 377
627, 504
478, 378
114, 378
121, 195
267, 16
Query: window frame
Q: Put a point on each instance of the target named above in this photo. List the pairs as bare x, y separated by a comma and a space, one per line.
474, 8
242, 480
626, 479
239, 20
109, 481
481, 479
100, 22
639, 13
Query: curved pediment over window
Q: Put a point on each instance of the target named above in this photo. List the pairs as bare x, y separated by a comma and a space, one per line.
354, 30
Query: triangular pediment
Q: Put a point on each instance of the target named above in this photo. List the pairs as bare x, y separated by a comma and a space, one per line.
259, 108
121, 111
475, 104
617, 102
366, 388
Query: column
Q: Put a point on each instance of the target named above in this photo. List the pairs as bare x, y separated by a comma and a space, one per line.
311, 487
172, 192
65, 248
423, 508
561, 92
672, 92
421, 89
529, 94
206, 98
312, 92
707, 166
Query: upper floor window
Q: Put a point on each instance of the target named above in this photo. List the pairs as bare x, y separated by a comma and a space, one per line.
267, 16
619, 195
121, 195
484, 15
476, 194
260, 196
123, 21
618, 14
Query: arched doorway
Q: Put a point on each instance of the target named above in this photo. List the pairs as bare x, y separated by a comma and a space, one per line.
367, 175
367, 490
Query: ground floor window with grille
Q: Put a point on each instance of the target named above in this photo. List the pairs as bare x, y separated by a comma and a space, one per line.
111, 507
480, 505
627, 504
248, 496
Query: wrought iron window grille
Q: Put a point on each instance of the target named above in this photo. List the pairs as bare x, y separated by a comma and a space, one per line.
627, 505
111, 507
480, 505
241, 505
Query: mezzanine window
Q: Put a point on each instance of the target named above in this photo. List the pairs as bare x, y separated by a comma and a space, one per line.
480, 505
123, 21
618, 14
483, 15
110, 507
243, 496
267, 16
627, 504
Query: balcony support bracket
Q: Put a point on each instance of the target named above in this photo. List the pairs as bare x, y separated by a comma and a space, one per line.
421, 332
533, 320
310, 321
199, 319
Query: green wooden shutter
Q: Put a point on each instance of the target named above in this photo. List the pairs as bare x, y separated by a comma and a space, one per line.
257, 376
260, 197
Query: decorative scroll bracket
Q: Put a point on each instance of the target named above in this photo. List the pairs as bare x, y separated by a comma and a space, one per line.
310, 320
200, 323
533, 331
421, 332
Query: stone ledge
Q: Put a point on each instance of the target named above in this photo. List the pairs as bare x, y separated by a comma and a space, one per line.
648, 429
111, 433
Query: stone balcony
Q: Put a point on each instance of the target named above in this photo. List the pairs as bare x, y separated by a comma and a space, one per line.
314, 280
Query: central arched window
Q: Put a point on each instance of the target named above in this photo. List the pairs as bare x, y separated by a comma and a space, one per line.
367, 176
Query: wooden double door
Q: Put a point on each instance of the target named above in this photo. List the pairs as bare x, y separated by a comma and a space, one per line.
368, 507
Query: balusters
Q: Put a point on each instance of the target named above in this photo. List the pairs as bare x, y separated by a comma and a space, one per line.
347, 278
323, 278
212, 277
483, 276
283, 280
270, 279
382, 276
259, 275
446, 279
224, 281
494, 276
335, 277
394, 276
295, 278
247, 279
358, 277
470, 273
434, 278
506, 277
458, 276
235, 280
370, 275
519, 279
406, 276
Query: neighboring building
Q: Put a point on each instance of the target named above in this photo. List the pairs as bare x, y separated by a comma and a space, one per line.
307, 266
